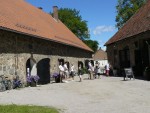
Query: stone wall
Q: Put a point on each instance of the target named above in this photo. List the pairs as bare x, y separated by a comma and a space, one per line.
120, 45
16, 49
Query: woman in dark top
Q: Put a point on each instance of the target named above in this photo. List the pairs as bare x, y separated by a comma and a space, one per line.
80, 72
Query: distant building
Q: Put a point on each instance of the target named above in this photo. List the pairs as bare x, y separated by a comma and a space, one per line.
101, 57
34, 42
130, 46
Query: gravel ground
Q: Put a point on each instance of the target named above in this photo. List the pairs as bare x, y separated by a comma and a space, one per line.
105, 95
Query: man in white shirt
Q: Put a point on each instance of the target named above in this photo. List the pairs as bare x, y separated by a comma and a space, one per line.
65, 70
99, 71
72, 71
91, 69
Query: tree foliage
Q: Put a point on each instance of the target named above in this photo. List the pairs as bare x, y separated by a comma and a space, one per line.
125, 9
72, 19
93, 44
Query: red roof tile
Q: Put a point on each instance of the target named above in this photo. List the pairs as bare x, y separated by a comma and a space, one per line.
17, 15
138, 23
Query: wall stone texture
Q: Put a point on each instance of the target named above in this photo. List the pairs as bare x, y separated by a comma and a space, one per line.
120, 45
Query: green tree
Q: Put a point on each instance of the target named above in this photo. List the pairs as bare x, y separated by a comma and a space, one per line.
125, 9
73, 20
93, 44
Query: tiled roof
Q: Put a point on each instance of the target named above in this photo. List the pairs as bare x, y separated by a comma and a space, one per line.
138, 23
100, 55
19, 16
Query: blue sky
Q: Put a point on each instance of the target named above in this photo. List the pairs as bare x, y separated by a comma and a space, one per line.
100, 15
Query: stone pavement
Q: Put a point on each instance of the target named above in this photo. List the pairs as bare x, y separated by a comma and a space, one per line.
105, 95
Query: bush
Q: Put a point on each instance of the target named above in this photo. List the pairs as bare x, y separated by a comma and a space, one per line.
32, 80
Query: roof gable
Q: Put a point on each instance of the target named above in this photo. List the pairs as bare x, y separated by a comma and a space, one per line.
100, 55
138, 23
17, 15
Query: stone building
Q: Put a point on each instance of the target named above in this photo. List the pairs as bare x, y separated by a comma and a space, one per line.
130, 46
32, 39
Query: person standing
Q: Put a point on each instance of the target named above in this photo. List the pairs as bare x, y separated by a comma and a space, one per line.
95, 70
80, 72
65, 70
107, 68
61, 71
91, 70
72, 71
99, 70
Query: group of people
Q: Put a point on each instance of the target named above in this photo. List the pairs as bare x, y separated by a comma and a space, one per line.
65, 73
97, 70
94, 71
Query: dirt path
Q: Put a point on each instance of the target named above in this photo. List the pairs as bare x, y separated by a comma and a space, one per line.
105, 95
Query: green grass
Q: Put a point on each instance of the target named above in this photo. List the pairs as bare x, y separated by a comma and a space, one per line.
26, 109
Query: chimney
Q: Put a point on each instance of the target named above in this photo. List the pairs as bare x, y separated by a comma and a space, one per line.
40, 8
55, 13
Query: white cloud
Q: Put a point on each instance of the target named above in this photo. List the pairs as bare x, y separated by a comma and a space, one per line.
100, 29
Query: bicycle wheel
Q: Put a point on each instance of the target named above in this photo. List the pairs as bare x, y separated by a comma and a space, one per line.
9, 85
1, 79
2, 87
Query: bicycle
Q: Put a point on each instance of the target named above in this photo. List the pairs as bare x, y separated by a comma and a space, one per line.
5, 83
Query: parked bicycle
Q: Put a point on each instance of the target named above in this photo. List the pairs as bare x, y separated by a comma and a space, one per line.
5, 83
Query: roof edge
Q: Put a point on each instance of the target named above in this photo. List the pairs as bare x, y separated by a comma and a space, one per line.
126, 38
125, 25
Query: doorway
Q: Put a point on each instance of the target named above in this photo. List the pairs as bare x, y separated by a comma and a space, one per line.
31, 68
43, 71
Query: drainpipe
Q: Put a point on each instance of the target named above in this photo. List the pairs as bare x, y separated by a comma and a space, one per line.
16, 56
